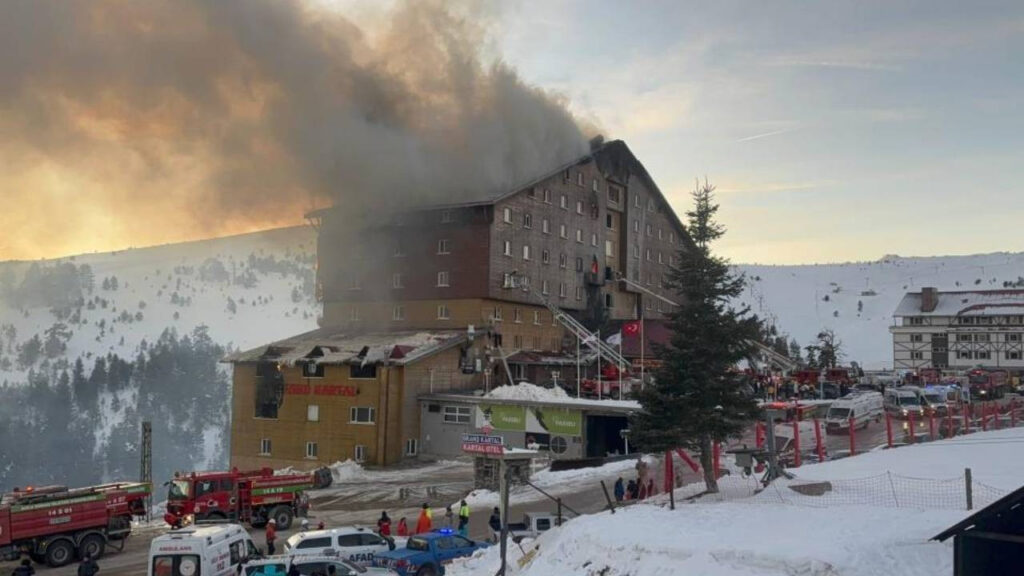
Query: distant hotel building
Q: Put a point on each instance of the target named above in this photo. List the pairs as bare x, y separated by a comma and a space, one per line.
959, 330
400, 292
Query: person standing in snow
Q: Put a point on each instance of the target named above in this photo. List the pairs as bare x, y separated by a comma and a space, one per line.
495, 523
620, 490
25, 569
631, 490
464, 520
271, 535
384, 524
320, 525
425, 523
88, 567
403, 528
641, 491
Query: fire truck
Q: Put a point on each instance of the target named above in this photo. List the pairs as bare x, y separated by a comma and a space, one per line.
609, 382
55, 524
254, 496
988, 384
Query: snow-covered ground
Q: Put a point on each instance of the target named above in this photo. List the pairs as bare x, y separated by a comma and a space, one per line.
740, 533
857, 299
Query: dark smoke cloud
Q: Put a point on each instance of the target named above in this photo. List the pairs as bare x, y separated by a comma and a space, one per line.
142, 120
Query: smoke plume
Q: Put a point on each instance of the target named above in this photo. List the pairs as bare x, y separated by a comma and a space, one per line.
139, 121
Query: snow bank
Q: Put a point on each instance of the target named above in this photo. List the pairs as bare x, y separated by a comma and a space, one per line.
347, 471
527, 391
732, 539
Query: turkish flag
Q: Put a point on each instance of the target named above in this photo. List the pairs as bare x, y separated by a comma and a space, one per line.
631, 328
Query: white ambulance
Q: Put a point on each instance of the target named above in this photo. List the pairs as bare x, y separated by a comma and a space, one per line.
212, 550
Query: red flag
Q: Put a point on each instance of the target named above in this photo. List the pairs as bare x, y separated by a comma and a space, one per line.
631, 328
593, 266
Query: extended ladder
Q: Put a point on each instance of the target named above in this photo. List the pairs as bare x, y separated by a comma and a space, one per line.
587, 337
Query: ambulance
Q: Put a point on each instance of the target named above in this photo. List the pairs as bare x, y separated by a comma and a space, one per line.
201, 550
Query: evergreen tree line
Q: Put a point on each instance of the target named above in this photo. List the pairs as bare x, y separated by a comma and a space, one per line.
83, 426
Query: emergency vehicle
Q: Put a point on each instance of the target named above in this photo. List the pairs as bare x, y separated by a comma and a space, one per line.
861, 407
254, 496
54, 524
988, 384
214, 550
310, 565
354, 543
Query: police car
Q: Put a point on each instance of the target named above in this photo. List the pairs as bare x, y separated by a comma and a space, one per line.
311, 565
354, 543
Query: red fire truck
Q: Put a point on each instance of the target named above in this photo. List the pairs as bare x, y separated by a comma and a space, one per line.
54, 524
988, 384
609, 382
254, 496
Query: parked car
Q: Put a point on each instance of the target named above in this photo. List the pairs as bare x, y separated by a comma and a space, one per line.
427, 554
533, 525
354, 543
309, 565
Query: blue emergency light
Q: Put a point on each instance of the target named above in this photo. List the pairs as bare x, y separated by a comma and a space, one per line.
447, 531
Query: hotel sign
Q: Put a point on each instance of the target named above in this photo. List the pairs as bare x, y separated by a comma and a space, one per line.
320, 390
483, 444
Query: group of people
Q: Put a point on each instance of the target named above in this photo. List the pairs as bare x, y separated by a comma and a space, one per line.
425, 522
87, 567
634, 489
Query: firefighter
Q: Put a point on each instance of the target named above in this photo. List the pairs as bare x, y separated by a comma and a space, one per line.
271, 536
495, 522
25, 569
88, 567
425, 523
464, 519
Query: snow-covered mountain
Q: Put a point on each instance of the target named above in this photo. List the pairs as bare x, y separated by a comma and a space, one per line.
857, 299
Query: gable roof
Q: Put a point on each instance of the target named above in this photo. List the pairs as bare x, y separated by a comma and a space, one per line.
338, 346
965, 303
993, 514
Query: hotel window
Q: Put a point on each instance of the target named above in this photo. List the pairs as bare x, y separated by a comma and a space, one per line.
593, 239
579, 206
399, 249
963, 355
982, 355
917, 355
547, 196
544, 287
517, 315
579, 235
563, 260
497, 313
659, 233
443, 247
660, 261
442, 280
636, 251
396, 280
981, 337
1013, 355
579, 293
636, 200
650, 278
507, 281
353, 313
398, 312
636, 225
648, 305
508, 215
354, 283
526, 252
1013, 337
313, 370
446, 216
517, 343
563, 202
442, 312
650, 204
532, 192
607, 300
525, 283
609, 222
412, 447
360, 453
614, 194
562, 231
362, 414
561, 289
917, 337
264, 446
579, 178
649, 230
671, 237
609, 248
362, 371
595, 186
917, 320
647, 253
545, 226
527, 220
311, 450
457, 414
545, 256
536, 317
579, 264
507, 248
313, 413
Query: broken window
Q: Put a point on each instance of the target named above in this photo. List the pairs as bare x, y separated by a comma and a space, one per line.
269, 389
614, 194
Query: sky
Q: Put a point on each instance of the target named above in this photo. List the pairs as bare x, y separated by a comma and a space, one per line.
833, 131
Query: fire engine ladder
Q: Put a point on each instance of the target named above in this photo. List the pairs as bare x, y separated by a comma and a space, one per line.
585, 336
244, 493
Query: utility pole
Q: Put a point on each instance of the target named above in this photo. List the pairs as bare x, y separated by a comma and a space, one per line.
146, 464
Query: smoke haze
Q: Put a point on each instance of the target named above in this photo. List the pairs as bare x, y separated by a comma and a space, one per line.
131, 122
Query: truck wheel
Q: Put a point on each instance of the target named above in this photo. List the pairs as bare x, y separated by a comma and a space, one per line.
59, 553
427, 570
282, 515
92, 545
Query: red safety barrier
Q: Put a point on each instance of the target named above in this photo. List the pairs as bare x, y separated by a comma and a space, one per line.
817, 440
967, 419
796, 444
1013, 414
686, 458
931, 425
759, 435
888, 429
853, 438
949, 423
995, 416
984, 419
910, 421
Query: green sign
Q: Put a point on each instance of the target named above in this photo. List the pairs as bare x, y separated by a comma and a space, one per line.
506, 417
565, 422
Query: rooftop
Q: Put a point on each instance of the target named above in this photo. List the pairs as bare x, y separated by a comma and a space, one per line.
965, 303
341, 346
526, 394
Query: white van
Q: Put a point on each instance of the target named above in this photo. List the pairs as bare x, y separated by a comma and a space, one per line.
354, 543
201, 551
905, 402
861, 406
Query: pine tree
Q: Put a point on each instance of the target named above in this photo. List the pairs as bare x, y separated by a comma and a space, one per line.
697, 399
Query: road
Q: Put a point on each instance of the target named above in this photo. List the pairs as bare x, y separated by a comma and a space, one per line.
403, 492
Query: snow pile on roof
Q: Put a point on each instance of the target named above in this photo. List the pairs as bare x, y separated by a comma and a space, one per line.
733, 539
527, 391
